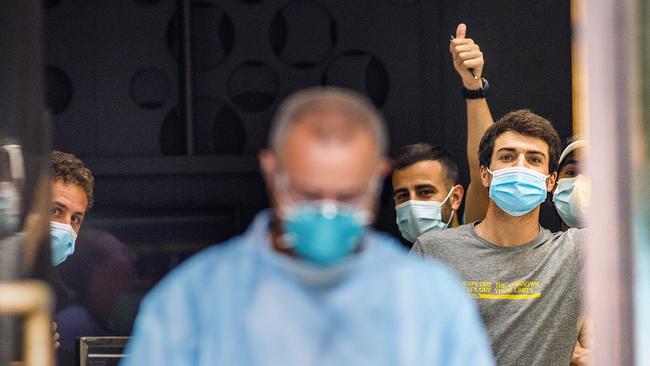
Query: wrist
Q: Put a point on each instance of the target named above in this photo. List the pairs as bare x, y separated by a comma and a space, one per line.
479, 93
472, 84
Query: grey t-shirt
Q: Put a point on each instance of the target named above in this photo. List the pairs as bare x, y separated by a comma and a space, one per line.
529, 297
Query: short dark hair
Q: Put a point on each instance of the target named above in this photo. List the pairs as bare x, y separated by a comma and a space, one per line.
411, 154
526, 123
70, 169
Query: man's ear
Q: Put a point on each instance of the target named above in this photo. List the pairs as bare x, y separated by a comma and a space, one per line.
268, 163
456, 197
550, 182
485, 177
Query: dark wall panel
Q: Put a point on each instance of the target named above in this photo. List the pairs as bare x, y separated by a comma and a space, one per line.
111, 58
115, 86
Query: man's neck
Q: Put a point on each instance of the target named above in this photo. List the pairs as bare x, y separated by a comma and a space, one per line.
504, 230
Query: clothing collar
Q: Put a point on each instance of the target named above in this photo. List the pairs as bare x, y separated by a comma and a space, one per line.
541, 237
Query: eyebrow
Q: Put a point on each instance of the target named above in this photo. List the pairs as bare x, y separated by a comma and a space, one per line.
572, 161
510, 149
57, 203
420, 186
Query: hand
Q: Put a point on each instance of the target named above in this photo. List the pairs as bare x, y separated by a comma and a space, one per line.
580, 356
56, 337
466, 55
582, 352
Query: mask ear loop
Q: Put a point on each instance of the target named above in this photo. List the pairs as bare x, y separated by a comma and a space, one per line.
451, 217
453, 212
448, 195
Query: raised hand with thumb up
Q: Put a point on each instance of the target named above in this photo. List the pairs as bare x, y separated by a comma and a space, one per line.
467, 58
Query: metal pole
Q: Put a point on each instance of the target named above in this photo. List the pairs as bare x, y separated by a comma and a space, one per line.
187, 93
24, 146
33, 300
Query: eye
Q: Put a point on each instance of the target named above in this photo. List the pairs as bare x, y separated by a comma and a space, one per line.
427, 192
571, 173
535, 160
506, 157
76, 219
56, 211
401, 197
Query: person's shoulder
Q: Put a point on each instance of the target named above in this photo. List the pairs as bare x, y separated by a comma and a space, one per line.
430, 270
72, 314
397, 256
446, 234
435, 243
573, 237
568, 243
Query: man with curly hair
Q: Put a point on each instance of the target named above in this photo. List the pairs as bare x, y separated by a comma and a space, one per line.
72, 196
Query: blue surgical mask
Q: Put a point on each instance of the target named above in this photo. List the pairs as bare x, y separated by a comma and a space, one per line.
518, 190
63, 238
569, 202
323, 232
415, 218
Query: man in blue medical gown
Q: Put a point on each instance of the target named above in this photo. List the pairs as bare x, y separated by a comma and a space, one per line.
309, 283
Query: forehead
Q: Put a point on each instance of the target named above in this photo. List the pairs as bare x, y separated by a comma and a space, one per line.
573, 159
520, 143
576, 154
329, 163
70, 195
422, 172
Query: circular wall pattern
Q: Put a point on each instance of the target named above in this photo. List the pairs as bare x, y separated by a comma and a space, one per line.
58, 89
253, 86
212, 35
360, 71
150, 88
302, 34
218, 129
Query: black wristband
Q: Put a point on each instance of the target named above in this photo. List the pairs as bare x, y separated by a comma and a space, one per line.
479, 93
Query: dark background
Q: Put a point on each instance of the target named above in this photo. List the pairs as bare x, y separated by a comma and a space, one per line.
174, 176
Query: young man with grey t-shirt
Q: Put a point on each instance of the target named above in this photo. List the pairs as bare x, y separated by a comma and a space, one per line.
525, 279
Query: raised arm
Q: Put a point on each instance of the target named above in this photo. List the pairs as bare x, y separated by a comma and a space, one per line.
467, 55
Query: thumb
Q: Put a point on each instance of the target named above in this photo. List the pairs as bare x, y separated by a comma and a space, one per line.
461, 30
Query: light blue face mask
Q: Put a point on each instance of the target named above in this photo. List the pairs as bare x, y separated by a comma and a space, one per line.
415, 218
63, 238
566, 204
323, 232
518, 190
